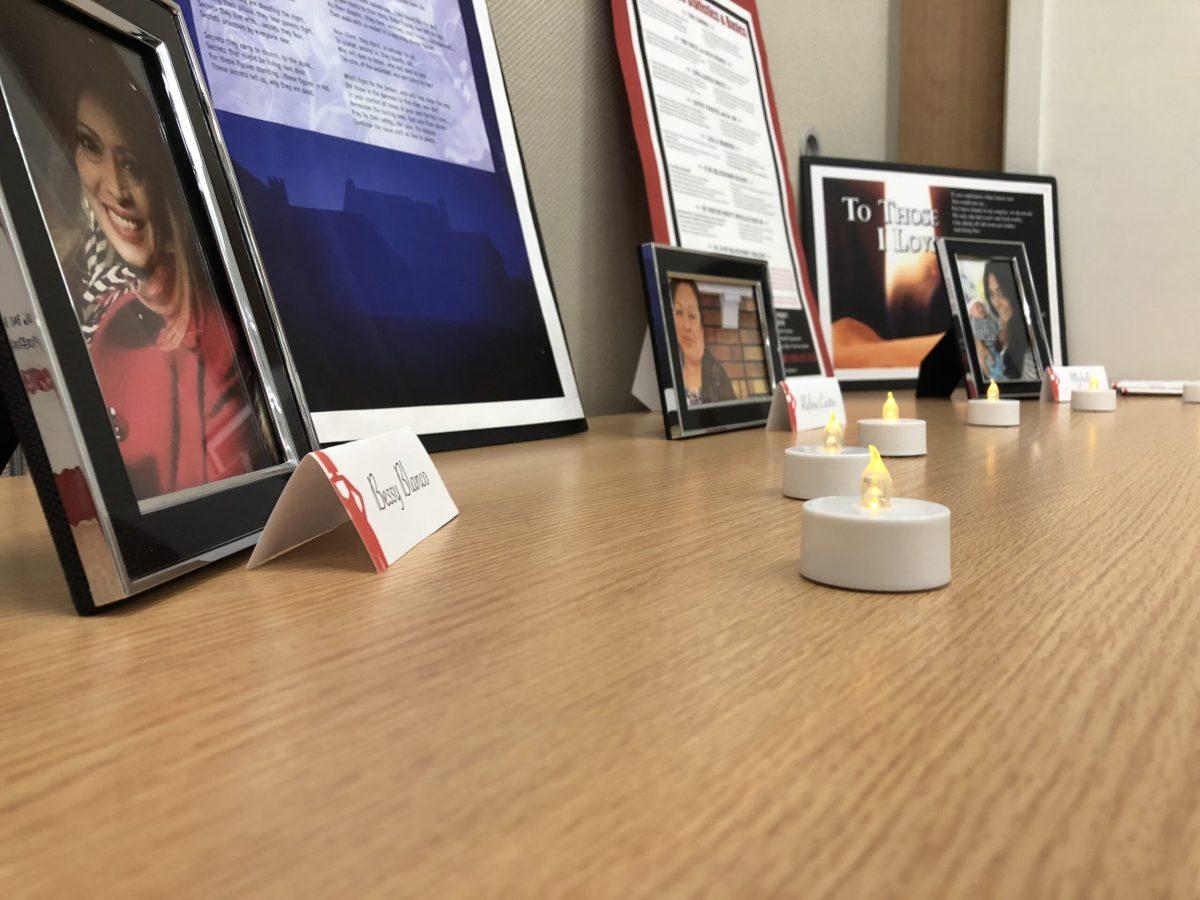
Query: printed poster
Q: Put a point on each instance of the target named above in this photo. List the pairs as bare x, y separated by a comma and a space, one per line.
716, 177
378, 160
871, 230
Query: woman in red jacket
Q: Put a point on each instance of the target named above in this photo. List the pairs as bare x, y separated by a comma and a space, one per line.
171, 366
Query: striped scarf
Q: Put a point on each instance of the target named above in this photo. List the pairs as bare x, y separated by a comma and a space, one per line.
105, 277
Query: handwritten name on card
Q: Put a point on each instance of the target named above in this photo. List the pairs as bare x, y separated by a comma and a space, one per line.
387, 486
805, 402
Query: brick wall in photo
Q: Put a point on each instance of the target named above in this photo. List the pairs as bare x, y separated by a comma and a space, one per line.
739, 350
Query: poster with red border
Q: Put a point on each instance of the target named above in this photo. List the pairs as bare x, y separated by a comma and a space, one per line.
712, 151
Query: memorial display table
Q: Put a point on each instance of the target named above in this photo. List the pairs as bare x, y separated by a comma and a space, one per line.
608, 676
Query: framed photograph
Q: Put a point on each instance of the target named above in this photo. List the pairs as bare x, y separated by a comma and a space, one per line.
996, 314
869, 231
716, 347
152, 396
380, 164
712, 151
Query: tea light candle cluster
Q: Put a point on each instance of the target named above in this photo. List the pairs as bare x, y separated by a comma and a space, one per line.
873, 541
893, 435
823, 470
994, 412
1094, 398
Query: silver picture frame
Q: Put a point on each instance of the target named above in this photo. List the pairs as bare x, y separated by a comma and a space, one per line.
111, 548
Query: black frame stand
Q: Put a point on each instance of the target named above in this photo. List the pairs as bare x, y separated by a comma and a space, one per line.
8, 436
942, 369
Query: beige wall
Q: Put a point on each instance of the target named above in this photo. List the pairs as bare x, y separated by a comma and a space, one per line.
1105, 95
830, 64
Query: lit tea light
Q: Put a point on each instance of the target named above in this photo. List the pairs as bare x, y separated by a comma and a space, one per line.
823, 470
994, 412
834, 432
876, 489
893, 435
1191, 392
891, 409
874, 541
1093, 398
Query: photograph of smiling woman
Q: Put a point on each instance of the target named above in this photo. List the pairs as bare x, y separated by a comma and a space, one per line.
170, 361
125, 228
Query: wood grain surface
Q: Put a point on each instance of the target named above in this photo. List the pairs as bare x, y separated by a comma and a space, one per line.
606, 678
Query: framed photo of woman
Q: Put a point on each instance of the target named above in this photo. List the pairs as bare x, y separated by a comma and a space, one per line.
151, 393
996, 315
716, 348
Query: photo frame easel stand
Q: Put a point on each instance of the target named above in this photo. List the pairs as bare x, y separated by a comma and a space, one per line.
941, 370
8, 436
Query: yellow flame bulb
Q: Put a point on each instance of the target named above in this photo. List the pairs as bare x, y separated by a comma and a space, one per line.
891, 409
1093, 383
833, 435
876, 490
993, 391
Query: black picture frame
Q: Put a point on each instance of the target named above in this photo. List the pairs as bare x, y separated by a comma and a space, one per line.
746, 286
1053, 306
1011, 255
113, 541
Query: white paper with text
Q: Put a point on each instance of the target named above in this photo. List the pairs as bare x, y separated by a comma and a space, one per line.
391, 73
805, 402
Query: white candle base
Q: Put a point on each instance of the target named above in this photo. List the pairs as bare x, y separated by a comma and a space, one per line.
902, 437
1100, 400
1191, 392
994, 413
810, 472
905, 547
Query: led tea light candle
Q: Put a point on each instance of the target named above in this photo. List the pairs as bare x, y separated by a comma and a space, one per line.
994, 412
825, 470
1191, 392
1094, 398
893, 435
875, 542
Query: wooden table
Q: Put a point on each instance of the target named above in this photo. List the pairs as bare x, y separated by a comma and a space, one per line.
607, 678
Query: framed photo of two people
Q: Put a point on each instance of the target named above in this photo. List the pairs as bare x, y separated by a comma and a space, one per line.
996, 313
142, 366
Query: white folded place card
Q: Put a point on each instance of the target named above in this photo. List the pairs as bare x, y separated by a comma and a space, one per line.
1059, 380
805, 402
386, 485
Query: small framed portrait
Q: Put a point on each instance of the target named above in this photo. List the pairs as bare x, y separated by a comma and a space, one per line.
716, 349
155, 402
996, 315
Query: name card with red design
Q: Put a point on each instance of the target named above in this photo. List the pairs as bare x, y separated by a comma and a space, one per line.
1059, 381
805, 402
387, 486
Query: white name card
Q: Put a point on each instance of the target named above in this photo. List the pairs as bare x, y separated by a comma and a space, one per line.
805, 402
1060, 380
386, 485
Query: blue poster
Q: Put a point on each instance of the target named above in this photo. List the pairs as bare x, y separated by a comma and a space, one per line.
377, 158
